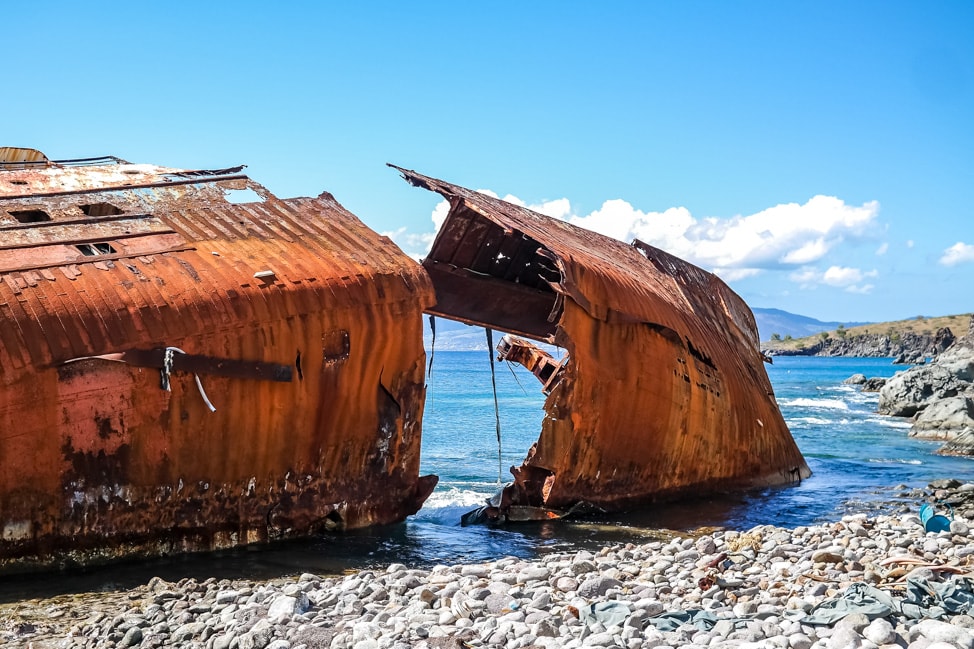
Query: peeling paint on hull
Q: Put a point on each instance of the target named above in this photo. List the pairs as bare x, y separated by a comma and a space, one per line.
302, 328
663, 393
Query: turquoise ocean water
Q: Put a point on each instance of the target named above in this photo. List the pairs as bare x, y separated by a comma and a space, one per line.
855, 454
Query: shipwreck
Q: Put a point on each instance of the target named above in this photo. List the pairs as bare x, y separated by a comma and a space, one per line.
662, 393
188, 362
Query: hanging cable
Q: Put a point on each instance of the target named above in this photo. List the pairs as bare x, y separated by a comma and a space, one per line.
510, 366
497, 412
429, 372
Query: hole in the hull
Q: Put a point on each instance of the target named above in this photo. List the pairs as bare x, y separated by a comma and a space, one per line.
30, 216
459, 434
100, 209
94, 249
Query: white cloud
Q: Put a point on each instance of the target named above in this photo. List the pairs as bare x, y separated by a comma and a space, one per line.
881, 250
806, 277
909, 243
808, 252
414, 245
780, 236
848, 279
842, 276
958, 253
439, 215
785, 236
734, 274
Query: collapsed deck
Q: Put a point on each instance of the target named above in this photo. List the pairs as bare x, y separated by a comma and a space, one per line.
663, 393
135, 297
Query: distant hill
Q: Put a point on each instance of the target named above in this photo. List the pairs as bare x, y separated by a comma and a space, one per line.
919, 336
776, 321
452, 336
456, 336
798, 334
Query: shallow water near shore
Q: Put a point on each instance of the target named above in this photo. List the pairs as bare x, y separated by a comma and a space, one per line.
856, 456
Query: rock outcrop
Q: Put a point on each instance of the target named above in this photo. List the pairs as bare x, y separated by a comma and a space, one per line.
911, 347
963, 444
911, 391
910, 358
938, 396
944, 419
873, 384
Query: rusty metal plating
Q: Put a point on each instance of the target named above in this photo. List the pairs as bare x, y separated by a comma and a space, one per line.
303, 326
663, 393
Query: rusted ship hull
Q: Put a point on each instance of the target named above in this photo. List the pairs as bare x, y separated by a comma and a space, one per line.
298, 324
662, 394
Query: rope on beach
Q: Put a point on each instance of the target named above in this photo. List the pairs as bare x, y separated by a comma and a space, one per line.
497, 412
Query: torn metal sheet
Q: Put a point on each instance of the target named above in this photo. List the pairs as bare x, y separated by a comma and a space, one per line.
663, 394
135, 297
534, 359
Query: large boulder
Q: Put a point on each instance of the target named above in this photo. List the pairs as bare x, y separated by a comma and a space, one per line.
873, 384
959, 361
855, 379
963, 444
913, 390
943, 339
944, 419
910, 358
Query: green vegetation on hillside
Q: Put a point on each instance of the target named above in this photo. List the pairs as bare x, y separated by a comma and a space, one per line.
918, 325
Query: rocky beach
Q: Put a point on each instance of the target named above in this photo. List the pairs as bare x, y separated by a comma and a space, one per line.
865, 580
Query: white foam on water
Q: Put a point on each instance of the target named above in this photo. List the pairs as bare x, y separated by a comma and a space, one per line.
893, 461
458, 497
891, 422
815, 421
831, 404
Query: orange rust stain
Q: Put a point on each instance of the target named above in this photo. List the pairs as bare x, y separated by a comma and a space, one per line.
663, 393
98, 461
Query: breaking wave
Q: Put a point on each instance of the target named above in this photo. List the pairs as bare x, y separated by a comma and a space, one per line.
891, 422
831, 404
459, 497
893, 461
814, 421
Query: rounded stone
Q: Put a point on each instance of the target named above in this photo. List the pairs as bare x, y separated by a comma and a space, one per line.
880, 632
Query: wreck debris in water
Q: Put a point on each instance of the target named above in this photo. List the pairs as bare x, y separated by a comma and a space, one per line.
663, 393
183, 371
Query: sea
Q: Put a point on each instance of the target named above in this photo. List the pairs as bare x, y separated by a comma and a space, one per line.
860, 461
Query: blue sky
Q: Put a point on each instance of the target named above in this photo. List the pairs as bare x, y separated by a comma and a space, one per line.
819, 156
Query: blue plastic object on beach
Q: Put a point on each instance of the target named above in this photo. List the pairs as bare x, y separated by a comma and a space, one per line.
933, 522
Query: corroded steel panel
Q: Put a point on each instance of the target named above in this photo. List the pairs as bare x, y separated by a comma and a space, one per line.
663, 393
297, 323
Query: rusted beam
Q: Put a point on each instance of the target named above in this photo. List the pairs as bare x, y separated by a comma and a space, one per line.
536, 360
512, 307
178, 361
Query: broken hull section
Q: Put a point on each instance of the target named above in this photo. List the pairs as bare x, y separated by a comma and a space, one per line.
662, 394
299, 325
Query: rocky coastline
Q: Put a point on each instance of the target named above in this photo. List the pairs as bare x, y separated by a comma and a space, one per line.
938, 397
907, 347
866, 580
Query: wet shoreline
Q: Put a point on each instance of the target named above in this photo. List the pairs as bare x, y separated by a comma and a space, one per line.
772, 571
